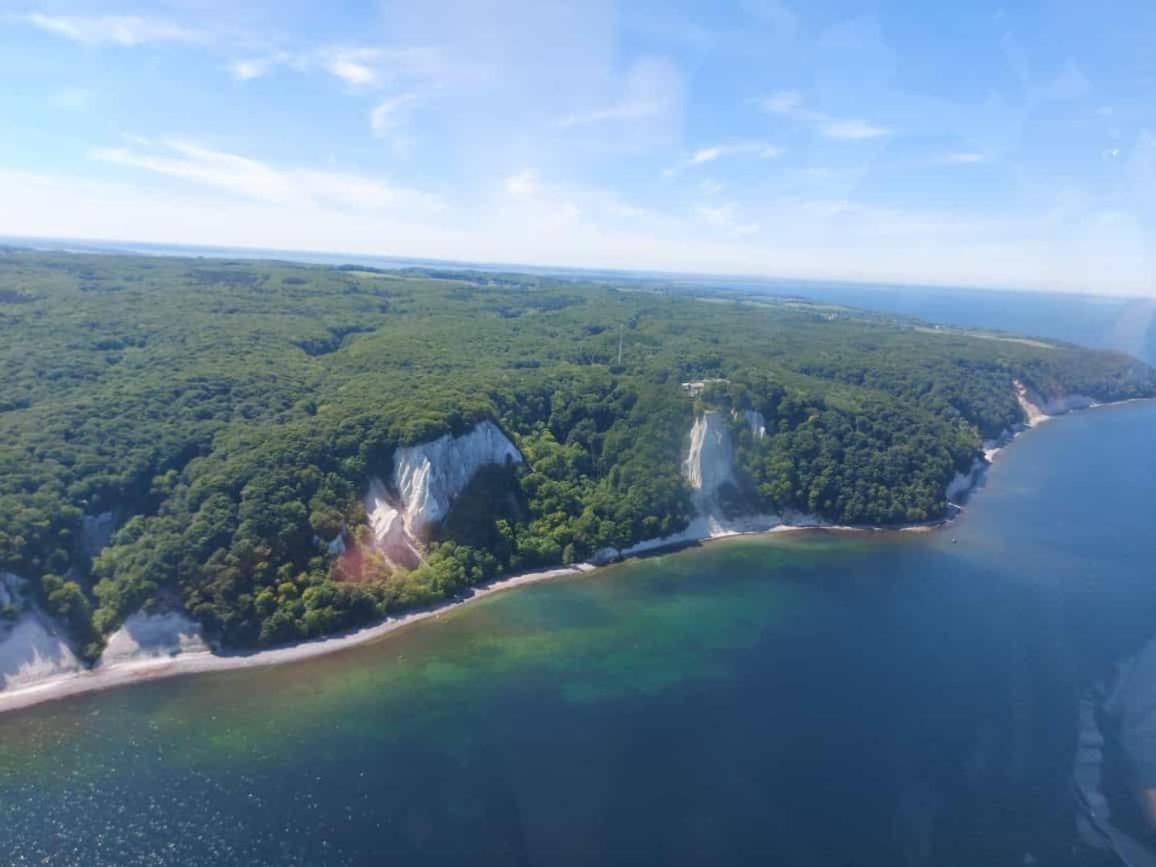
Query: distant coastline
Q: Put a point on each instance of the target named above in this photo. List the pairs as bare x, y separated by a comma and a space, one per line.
132, 671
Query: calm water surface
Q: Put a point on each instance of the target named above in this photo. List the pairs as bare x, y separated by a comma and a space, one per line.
809, 699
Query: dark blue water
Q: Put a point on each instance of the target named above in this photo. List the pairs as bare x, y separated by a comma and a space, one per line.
808, 699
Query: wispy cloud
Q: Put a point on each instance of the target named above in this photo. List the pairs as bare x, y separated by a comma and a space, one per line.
710, 187
383, 119
715, 152
852, 130
790, 103
258, 67
361, 67
364, 67
960, 158
621, 111
389, 120
536, 205
651, 90
784, 102
356, 67
253, 179
124, 30
724, 217
706, 155
523, 184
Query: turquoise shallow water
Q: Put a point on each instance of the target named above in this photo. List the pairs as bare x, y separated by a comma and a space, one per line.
817, 698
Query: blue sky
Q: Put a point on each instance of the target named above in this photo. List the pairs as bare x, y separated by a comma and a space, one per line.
993, 144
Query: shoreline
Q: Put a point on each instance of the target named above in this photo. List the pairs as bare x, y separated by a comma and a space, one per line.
129, 672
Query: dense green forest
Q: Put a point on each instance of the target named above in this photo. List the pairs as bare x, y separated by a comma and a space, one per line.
230, 414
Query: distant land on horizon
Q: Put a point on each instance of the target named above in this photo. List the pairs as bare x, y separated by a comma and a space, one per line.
767, 282
1126, 323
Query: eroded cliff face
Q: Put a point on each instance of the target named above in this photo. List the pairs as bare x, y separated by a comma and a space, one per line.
390, 535
754, 420
427, 478
1038, 408
709, 463
960, 487
153, 636
32, 647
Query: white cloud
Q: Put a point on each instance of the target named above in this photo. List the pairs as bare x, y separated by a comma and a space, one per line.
651, 93
125, 30
620, 111
706, 155
784, 102
384, 117
959, 158
246, 70
353, 67
626, 211
790, 103
257, 67
794, 238
724, 217
361, 67
852, 130
252, 179
531, 206
536, 208
523, 184
544, 85
374, 66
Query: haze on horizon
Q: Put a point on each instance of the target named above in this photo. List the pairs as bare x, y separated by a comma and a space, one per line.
973, 144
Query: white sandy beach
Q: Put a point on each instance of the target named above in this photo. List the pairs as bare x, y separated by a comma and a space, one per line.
130, 671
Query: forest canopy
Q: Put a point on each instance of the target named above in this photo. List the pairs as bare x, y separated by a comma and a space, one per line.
229, 415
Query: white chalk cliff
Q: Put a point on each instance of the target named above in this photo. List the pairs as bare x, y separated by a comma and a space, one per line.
426, 480
152, 636
32, 647
1038, 408
709, 463
754, 420
963, 483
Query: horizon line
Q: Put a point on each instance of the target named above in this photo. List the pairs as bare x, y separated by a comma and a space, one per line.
255, 253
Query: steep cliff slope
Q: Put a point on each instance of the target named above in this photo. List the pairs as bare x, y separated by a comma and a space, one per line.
32, 647
427, 478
